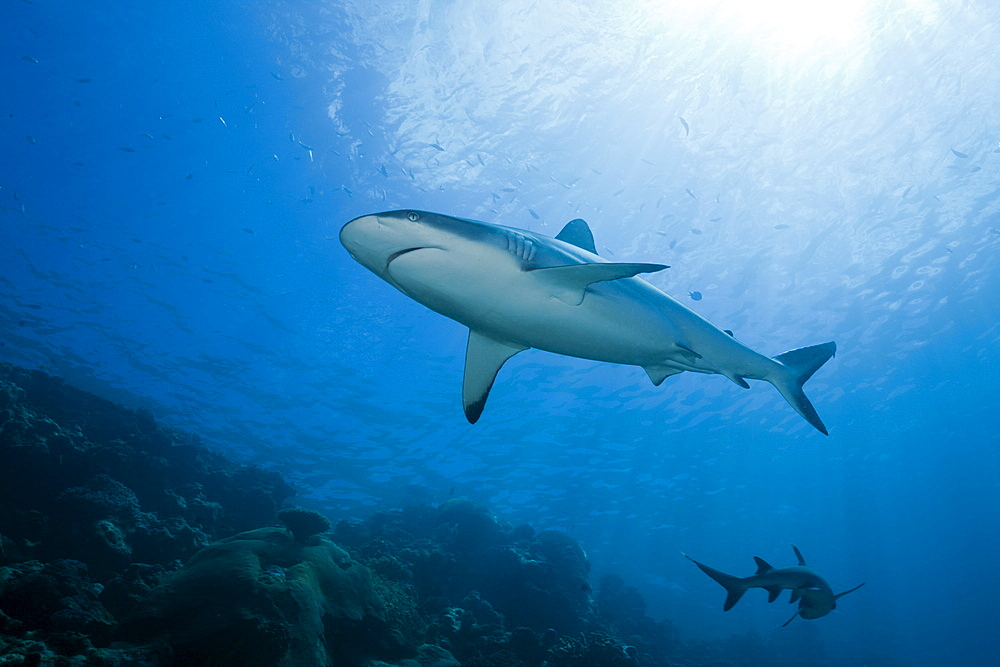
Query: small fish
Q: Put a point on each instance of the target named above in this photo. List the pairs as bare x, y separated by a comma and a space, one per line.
197, 120
248, 230
480, 158
84, 80
649, 162
223, 121
29, 59
782, 226
31, 139
277, 76
714, 219
690, 194
975, 169
382, 170
188, 177
147, 135
533, 214
687, 129
695, 296
695, 230
437, 146
959, 153
126, 149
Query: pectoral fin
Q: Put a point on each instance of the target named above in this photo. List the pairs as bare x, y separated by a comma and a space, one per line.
569, 283
838, 595
484, 357
798, 554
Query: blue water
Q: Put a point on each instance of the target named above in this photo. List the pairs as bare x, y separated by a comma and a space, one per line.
176, 175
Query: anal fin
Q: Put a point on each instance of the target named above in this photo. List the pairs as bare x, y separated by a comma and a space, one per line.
772, 592
484, 356
657, 374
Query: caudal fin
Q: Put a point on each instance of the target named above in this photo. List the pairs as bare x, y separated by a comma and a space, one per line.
735, 587
800, 365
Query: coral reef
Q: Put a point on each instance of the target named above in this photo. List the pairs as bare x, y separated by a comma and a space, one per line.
262, 598
123, 542
303, 523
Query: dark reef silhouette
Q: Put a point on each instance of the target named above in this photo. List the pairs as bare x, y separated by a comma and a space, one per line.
123, 542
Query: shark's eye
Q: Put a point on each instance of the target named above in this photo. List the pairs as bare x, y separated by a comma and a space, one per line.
412, 217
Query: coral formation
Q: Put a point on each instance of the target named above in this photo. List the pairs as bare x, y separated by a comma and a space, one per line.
126, 543
303, 523
262, 598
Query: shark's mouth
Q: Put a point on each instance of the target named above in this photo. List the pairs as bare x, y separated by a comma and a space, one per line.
399, 253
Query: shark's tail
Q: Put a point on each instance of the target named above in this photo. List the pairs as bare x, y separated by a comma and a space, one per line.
797, 367
735, 586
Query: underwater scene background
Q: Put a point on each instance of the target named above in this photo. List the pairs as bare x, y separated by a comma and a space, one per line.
175, 178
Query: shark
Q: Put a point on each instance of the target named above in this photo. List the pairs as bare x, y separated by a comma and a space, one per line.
516, 289
814, 595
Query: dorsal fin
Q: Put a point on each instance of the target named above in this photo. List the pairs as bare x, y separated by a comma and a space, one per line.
798, 554
762, 565
577, 232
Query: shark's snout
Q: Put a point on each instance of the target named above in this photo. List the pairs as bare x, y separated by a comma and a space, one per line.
363, 238
357, 233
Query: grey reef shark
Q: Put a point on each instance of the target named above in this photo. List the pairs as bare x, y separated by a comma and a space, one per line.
814, 595
517, 289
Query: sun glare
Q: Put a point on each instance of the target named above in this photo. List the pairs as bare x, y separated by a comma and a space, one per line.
791, 27
800, 25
